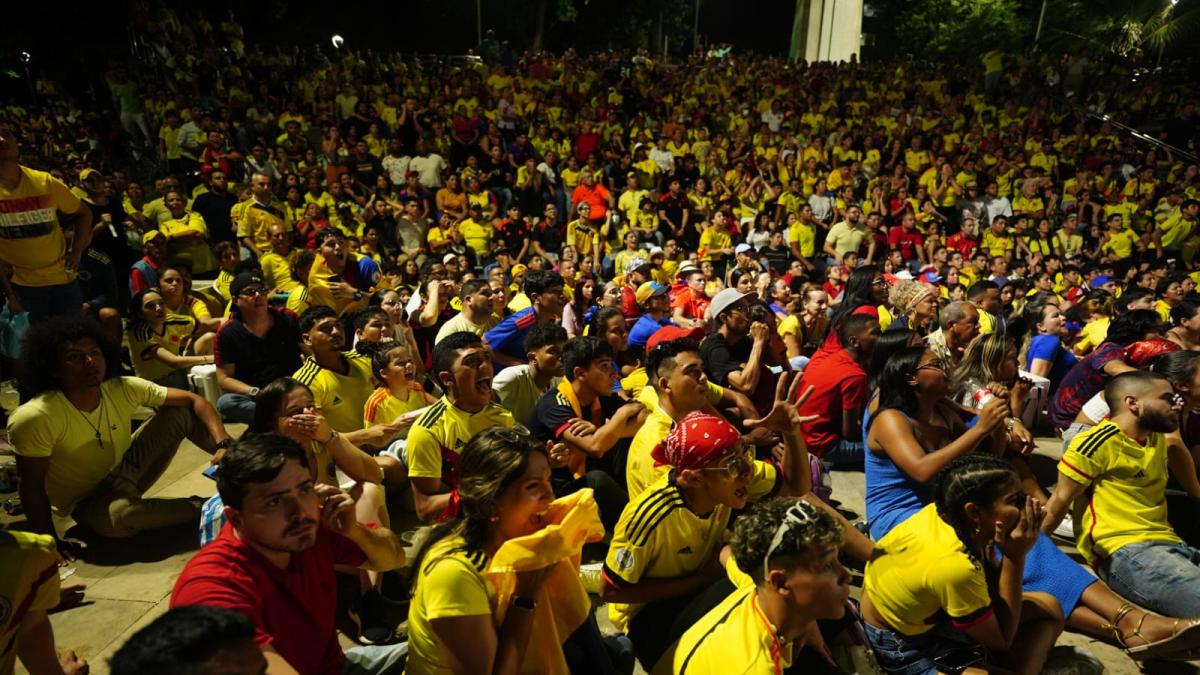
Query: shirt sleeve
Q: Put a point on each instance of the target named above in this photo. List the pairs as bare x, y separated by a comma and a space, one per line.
346, 552
719, 363
1042, 347
450, 589
963, 592
32, 432
424, 454
627, 561
143, 392
555, 417
498, 337
64, 200
1085, 458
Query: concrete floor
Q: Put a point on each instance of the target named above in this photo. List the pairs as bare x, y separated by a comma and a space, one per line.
129, 582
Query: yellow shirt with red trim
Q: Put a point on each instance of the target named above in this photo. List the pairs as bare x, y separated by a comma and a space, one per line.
659, 537
31, 238
29, 584
450, 583
256, 221
921, 569
1124, 502
144, 342
436, 439
340, 397
383, 408
734, 638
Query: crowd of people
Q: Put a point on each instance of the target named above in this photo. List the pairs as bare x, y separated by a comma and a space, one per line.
605, 325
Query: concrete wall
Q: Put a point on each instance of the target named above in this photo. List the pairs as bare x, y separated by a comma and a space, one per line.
827, 30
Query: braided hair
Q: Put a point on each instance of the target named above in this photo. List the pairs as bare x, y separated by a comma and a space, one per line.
973, 477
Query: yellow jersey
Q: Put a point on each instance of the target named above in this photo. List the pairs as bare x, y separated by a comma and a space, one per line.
255, 223
1092, 334
383, 408
734, 637
436, 439
659, 537
50, 426
277, 272
31, 238
340, 397
144, 342
1120, 244
921, 568
477, 235
29, 584
640, 471
450, 583
199, 256
712, 239
1124, 502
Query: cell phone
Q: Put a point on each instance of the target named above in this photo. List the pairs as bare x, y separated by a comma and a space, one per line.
211, 472
958, 660
335, 278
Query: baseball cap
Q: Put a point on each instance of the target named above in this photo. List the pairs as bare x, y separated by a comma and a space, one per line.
741, 248
243, 280
687, 268
152, 235
635, 263
649, 290
517, 269
930, 277
672, 333
88, 173
1101, 280
448, 257
728, 298
656, 250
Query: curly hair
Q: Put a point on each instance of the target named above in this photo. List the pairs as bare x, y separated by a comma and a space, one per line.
42, 351
755, 531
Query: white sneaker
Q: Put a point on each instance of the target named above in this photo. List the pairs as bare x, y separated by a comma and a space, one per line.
1066, 529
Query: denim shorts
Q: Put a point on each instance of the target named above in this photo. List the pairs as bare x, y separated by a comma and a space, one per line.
1162, 576
901, 654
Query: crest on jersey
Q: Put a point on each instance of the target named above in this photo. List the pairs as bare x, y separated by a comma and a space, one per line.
624, 559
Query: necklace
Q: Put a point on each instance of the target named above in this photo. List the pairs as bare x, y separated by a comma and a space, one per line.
94, 427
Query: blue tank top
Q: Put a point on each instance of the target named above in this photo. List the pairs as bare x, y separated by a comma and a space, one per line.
892, 496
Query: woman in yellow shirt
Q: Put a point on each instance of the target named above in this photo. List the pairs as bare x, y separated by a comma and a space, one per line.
175, 285
158, 341
454, 622
187, 235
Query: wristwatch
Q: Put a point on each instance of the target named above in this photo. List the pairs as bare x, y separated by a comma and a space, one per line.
358, 295
524, 604
253, 392
333, 434
224, 443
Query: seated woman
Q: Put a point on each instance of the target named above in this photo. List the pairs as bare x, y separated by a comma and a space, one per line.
1045, 355
164, 346
454, 623
175, 286
789, 553
942, 562
912, 437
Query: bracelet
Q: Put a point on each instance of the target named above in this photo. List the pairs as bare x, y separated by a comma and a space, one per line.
1009, 424
333, 434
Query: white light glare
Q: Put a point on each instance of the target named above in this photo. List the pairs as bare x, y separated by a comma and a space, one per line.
337, 41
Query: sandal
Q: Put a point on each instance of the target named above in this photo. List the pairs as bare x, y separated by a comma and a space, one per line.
1185, 636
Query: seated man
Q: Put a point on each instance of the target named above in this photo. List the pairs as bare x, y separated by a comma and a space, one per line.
655, 305
463, 366
254, 346
586, 394
1113, 477
340, 380
274, 559
75, 448
733, 353
519, 387
507, 338
840, 393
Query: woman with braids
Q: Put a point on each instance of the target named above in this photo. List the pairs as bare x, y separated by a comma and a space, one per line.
454, 623
916, 306
942, 562
788, 551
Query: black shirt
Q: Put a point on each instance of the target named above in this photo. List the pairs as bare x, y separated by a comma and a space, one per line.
258, 361
551, 415
721, 359
215, 208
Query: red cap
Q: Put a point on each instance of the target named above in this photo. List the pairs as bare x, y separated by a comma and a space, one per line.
669, 333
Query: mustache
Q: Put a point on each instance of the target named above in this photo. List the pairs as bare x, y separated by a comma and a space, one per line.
299, 525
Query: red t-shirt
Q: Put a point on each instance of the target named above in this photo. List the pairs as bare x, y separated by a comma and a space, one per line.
962, 243
840, 384
906, 240
292, 610
693, 307
596, 197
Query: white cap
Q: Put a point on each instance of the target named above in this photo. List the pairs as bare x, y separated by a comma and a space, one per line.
741, 248
448, 257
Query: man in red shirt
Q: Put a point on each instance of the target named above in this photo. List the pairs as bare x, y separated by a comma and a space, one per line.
688, 301
596, 195
637, 272
966, 240
274, 559
840, 393
905, 238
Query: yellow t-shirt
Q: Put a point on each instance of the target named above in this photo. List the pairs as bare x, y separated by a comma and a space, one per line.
987, 323
1174, 231
996, 244
921, 568
1163, 309
144, 342
436, 439
29, 584
712, 239
640, 471
256, 221
1124, 502
31, 238
1092, 334
340, 397
199, 257
1120, 244
733, 637
383, 408
48, 425
450, 583
277, 272
478, 236
805, 237
192, 308
659, 537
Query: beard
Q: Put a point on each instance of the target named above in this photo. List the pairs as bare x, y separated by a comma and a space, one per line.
1158, 422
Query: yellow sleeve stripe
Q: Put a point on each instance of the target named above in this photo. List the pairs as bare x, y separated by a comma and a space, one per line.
711, 629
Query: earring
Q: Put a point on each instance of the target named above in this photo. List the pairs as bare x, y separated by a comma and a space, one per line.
977, 529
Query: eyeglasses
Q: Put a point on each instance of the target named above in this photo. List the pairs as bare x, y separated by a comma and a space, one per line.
938, 365
879, 282
799, 514
252, 292
740, 464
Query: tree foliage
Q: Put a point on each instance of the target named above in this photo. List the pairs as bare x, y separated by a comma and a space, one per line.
953, 29
1130, 29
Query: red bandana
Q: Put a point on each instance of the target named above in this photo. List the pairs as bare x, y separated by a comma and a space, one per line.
696, 442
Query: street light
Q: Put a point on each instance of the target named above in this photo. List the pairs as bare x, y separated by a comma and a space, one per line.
337, 41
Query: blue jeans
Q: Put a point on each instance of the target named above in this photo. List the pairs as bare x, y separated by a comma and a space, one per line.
236, 408
845, 452
901, 654
43, 302
1161, 576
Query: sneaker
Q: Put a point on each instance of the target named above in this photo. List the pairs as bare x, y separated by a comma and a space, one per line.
1066, 529
589, 575
367, 613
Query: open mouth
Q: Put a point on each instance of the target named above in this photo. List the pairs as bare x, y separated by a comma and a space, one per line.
741, 493
484, 385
